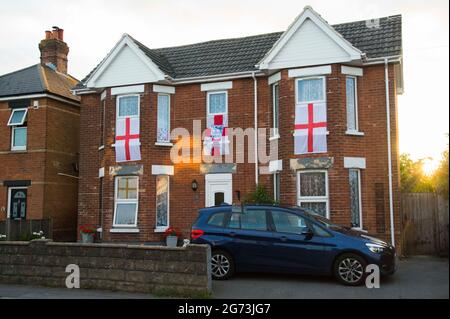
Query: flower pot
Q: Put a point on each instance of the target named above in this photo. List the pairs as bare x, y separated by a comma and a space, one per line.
87, 238
171, 241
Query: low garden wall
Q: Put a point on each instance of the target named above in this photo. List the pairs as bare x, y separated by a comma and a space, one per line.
144, 269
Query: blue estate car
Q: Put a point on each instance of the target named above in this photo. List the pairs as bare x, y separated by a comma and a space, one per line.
287, 239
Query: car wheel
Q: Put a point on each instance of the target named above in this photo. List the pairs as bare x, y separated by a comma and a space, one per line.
349, 269
222, 265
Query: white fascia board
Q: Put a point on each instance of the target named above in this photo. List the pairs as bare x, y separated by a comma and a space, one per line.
162, 170
128, 89
274, 78
309, 13
303, 72
355, 162
164, 89
124, 41
275, 166
217, 86
349, 70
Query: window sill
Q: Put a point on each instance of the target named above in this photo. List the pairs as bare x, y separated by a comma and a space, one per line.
164, 144
275, 137
161, 229
360, 229
124, 230
23, 150
354, 133
101, 147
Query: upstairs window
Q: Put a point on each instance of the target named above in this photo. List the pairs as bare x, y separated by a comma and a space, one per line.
276, 108
18, 129
217, 103
128, 106
163, 126
311, 90
352, 104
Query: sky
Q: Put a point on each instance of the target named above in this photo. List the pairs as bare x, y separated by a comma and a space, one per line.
93, 27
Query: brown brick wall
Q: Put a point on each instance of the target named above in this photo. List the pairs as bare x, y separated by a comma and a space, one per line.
189, 103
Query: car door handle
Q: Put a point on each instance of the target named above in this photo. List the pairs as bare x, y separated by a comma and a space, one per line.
232, 234
283, 238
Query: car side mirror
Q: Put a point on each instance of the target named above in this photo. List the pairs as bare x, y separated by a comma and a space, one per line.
308, 233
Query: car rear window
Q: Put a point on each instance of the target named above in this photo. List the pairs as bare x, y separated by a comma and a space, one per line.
249, 220
217, 220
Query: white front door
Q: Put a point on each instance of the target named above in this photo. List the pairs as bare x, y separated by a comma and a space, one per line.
219, 189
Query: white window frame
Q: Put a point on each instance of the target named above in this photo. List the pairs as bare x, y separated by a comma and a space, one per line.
356, 130
276, 130
118, 102
103, 101
161, 229
8, 210
360, 227
297, 95
125, 201
208, 94
23, 118
13, 133
168, 120
314, 199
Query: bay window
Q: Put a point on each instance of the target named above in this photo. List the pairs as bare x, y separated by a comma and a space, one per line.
310, 90
352, 104
355, 198
163, 125
126, 201
128, 106
217, 103
312, 191
162, 202
276, 109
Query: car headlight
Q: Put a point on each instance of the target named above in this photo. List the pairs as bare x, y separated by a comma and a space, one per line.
375, 248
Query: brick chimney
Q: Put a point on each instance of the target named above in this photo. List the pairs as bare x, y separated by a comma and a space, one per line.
54, 50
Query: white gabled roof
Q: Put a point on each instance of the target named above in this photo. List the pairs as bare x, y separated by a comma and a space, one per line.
309, 40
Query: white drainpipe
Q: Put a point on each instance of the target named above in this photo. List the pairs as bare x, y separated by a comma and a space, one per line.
388, 115
256, 127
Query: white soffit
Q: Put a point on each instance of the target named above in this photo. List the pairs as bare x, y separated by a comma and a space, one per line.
348, 70
309, 40
318, 70
164, 89
355, 162
162, 170
217, 86
128, 89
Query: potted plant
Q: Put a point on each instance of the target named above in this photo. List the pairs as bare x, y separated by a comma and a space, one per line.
87, 234
171, 237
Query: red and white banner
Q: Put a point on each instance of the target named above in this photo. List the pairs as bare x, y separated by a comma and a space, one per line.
216, 137
310, 135
127, 140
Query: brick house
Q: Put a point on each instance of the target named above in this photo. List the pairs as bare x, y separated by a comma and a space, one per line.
39, 132
256, 82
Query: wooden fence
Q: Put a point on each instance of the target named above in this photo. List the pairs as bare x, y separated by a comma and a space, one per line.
425, 224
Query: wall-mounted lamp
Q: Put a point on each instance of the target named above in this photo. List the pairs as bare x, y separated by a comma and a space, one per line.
194, 185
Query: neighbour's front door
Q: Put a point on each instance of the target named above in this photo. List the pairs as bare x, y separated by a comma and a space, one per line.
18, 203
218, 189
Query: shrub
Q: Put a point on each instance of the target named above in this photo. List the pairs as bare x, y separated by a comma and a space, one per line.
259, 196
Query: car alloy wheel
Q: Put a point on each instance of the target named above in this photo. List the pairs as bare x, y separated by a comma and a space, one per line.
350, 270
220, 265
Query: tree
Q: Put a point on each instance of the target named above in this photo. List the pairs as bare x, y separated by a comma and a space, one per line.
440, 176
412, 176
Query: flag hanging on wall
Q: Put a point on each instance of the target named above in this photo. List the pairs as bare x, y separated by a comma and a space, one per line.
216, 137
310, 133
127, 140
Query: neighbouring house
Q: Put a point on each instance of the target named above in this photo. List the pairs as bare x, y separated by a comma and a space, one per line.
320, 90
39, 140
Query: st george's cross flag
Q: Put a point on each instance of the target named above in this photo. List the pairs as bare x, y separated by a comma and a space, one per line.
127, 140
216, 138
310, 134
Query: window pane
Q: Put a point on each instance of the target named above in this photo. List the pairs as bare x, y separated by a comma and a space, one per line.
313, 184
235, 221
354, 198
288, 223
318, 207
162, 200
163, 118
254, 220
129, 106
20, 137
351, 104
217, 220
217, 103
126, 214
127, 188
310, 90
276, 106
17, 117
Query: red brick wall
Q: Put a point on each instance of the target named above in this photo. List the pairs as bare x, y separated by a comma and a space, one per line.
189, 103
52, 147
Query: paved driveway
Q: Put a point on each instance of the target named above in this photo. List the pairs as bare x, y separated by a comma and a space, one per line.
417, 277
